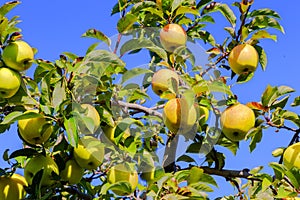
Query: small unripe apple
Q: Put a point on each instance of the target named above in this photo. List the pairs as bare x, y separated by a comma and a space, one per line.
109, 133
91, 113
172, 36
243, 58
35, 130
179, 116
10, 82
38, 162
236, 121
18, 55
89, 153
12, 188
122, 172
72, 172
151, 173
203, 114
164, 83
291, 156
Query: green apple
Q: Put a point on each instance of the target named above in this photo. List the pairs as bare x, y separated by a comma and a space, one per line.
35, 130
18, 55
179, 116
120, 173
89, 153
12, 188
243, 58
291, 156
38, 162
150, 173
10, 82
72, 172
109, 133
164, 83
92, 114
236, 121
172, 36
203, 114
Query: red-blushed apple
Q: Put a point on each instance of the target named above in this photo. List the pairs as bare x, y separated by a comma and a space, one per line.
172, 36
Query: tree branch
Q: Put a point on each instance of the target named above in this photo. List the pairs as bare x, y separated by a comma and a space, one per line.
141, 108
80, 195
226, 173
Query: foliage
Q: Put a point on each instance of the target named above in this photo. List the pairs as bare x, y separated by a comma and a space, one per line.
57, 88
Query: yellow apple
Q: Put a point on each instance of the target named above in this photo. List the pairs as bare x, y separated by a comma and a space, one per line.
38, 162
236, 121
165, 80
10, 82
89, 153
12, 188
120, 173
172, 36
18, 55
72, 172
35, 130
92, 114
179, 116
243, 58
291, 156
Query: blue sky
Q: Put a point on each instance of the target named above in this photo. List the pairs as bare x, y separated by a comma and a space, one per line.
55, 26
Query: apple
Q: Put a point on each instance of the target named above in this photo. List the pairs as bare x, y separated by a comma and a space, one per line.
120, 173
72, 172
89, 153
12, 188
10, 82
91, 113
38, 162
150, 173
18, 55
179, 116
35, 130
172, 36
203, 114
236, 121
243, 58
109, 133
164, 83
291, 156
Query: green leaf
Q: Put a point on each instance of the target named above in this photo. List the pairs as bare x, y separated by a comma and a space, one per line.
186, 158
123, 186
262, 57
176, 4
7, 7
207, 37
59, 94
263, 34
219, 86
262, 22
279, 169
17, 115
256, 135
243, 78
203, 3
28, 152
296, 102
231, 146
93, 33
269, 96
71, 129
133, 73
186, 10
231, 31
135, 44
226, 12
126, 22
264, 12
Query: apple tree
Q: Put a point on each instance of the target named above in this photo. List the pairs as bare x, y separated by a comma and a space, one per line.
101, 126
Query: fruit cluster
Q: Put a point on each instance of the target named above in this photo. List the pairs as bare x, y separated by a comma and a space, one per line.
17, 56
